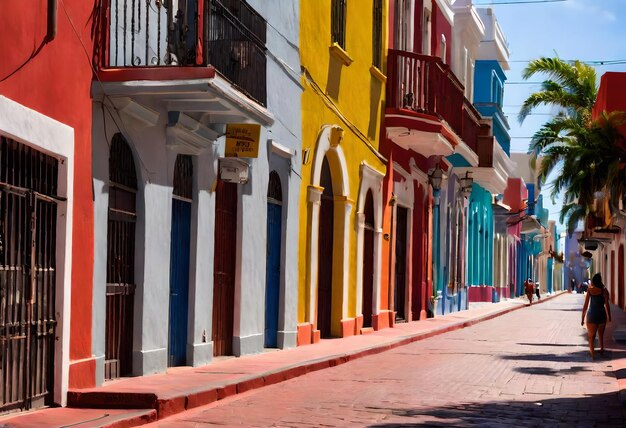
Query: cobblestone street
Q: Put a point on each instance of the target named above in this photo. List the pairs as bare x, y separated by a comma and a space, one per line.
527, 368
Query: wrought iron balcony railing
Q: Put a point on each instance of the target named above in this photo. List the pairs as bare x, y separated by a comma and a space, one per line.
227, 34
425, 84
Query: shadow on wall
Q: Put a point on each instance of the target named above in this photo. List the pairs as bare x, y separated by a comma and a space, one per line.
333, 82
377, 108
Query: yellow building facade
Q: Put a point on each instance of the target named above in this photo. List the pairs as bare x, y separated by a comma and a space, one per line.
342, 47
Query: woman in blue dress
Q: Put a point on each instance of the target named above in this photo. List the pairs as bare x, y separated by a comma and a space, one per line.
597, 309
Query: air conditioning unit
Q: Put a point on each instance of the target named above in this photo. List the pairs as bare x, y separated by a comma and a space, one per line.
233, 170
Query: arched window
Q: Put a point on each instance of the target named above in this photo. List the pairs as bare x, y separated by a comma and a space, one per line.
183, 177
274, 189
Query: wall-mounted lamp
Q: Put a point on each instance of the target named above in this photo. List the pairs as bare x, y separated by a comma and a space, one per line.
435, 177
466, 184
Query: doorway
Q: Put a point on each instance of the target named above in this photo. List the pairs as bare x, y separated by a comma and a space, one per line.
325, 253
120, 290
273, 273
28, 214
179, 260
224, 268
368, 261
400, 270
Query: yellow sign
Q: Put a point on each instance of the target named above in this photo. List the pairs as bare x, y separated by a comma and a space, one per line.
242, 140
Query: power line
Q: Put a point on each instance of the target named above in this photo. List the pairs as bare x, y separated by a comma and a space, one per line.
494, 3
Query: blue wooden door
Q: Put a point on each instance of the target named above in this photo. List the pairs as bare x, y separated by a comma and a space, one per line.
179, 282
272, 287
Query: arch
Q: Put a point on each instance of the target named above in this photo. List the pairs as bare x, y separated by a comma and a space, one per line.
274, 188
120, 259
336, 159
183, 177
329, 152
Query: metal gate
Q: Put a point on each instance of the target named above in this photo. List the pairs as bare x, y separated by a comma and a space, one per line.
28, 212
120, 291
179, 261
224, 268
274, 243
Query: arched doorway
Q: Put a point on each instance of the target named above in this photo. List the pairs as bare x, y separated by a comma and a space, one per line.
620, 277
399, 290
120, 291
225, 254
325, 253
273, 271
368, 261
179, 260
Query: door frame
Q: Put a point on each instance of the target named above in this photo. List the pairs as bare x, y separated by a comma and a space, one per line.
47, 135
371, 180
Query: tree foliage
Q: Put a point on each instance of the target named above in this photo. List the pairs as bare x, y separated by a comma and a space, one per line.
590, 154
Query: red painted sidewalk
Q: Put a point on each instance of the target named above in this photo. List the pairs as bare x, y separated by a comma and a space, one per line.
182, 388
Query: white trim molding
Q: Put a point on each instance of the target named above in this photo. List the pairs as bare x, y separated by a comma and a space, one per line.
371, 180
328, 143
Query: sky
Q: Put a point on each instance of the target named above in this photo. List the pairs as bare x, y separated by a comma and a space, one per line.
588, 30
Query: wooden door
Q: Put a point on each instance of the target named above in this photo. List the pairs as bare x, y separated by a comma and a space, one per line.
620, 277
28, 213
179, 261
368, 262
612, 284
224, 268
325, 254
400, 272
120, 289
273, 270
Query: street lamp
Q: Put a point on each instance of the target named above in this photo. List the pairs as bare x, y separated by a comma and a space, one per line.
466, 184
435, 177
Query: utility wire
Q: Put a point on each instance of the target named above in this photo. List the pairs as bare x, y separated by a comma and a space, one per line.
495, 3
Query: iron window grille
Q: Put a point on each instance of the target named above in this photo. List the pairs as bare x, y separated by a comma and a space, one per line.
338, 22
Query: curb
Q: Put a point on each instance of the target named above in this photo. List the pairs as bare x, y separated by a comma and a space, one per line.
170, 406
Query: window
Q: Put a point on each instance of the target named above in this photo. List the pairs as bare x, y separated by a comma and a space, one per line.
338, 22
377, 34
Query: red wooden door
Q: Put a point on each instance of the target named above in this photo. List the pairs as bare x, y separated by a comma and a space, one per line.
612, 285
400, 270
224, 268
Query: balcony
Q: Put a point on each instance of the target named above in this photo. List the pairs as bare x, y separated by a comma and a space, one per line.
225, 35
423, 88
494, 166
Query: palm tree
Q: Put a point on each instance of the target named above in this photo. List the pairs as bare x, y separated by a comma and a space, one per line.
590, 153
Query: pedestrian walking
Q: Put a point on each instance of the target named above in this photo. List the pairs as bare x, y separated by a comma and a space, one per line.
597, 309
529, 289
537, 291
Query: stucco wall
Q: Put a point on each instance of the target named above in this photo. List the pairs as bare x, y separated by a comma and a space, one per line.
334, 95
29, 60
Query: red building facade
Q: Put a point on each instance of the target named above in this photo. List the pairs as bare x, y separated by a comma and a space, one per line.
45, 124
